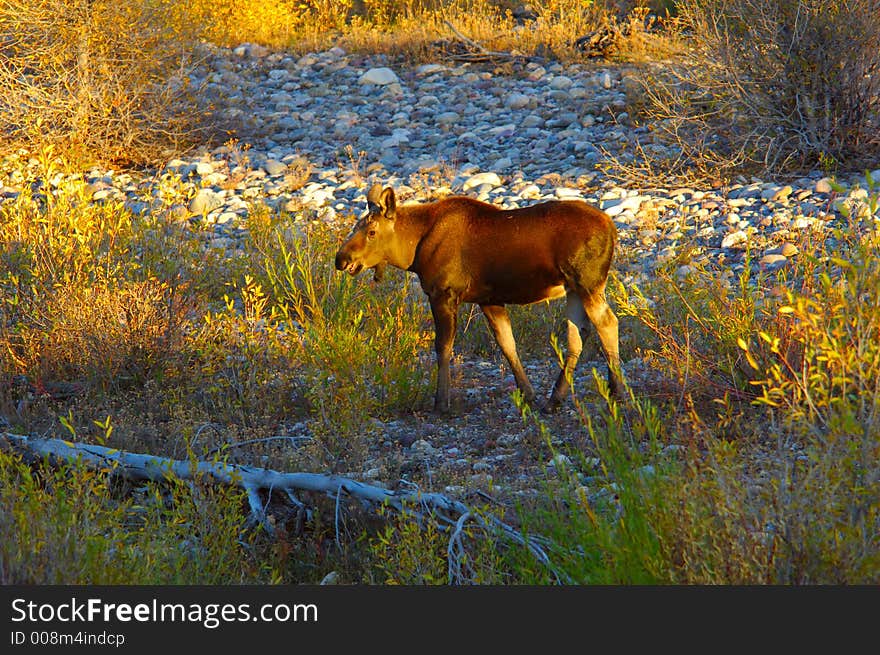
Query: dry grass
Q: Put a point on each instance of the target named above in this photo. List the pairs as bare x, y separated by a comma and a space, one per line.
770, 85
105, 81
747, 453
757, 420
421, 30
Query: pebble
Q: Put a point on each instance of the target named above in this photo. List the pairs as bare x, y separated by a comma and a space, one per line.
823, 185
379, 76
734, 239
560, 462
205, 201
422, 448
615, 207
274, 167
785, 249
517, 101
781, 194
773, 261
480, 179
561, 82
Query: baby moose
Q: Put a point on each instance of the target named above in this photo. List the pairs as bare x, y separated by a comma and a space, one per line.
464, 250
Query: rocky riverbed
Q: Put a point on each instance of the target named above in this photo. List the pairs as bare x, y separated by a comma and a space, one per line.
317, 130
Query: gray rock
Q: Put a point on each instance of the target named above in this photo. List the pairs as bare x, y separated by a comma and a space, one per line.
480, 179
429, 69
205, 201
734, 239
537, 73
422, 448
274, 167
204, 168
566, 193
772, 262
517, 101
786, 249
617, 206
530, 192
782, 194
561, 82
823, 185
379, 76
448, 118
751, 191
559, 462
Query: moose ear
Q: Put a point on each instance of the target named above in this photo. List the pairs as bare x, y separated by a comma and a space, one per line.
388, 203
374, 195
382, 201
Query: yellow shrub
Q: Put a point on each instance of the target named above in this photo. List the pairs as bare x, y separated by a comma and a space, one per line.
271, 22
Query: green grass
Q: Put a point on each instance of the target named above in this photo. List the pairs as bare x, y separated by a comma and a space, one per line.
70, 525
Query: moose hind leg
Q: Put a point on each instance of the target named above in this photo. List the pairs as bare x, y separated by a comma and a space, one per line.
605, 322
499, 321
577, 319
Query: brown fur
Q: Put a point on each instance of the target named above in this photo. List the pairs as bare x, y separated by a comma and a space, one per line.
464, 250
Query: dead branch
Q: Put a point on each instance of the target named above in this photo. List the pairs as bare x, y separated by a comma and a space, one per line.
471, 51
449, 514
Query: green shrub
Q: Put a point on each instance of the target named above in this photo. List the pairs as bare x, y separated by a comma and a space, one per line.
761, 465
71, 525
361, 348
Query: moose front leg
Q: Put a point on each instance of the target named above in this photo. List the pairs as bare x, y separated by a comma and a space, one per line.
499, 321
445, 311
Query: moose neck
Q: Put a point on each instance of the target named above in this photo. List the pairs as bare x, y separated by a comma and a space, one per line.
410, 225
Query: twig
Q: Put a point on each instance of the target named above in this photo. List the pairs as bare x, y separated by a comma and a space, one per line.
470, 42
482, 53
455, 549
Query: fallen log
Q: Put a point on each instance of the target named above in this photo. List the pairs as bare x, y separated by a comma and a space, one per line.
448, 513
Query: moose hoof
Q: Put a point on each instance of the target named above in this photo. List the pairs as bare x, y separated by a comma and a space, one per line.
550, 406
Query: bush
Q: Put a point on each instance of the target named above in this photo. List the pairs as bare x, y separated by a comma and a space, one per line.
360, 350
775, 83
70, 525
103, 79
273, 22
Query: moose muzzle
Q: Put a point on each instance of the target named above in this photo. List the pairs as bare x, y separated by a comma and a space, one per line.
344, 263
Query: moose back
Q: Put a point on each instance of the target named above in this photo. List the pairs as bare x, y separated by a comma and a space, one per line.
467, 251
